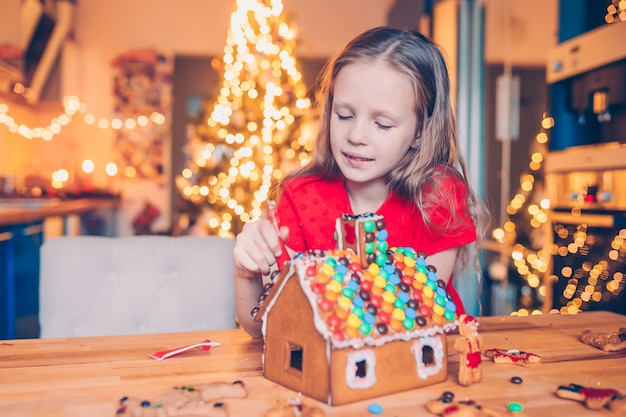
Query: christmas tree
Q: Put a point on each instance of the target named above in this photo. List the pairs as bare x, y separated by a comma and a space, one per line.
255, 131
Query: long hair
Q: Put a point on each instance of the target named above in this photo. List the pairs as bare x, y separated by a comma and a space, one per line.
417, 175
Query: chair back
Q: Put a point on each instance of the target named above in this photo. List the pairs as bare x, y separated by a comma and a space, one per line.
98, 286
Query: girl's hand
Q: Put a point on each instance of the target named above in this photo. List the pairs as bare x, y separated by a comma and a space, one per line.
256, 248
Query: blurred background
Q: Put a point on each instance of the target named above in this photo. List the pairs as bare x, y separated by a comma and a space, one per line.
130, 118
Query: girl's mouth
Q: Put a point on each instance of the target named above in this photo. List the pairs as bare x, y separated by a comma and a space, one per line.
357, 157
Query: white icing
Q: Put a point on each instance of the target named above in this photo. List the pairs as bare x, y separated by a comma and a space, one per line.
339, 231
296, 405
272, 301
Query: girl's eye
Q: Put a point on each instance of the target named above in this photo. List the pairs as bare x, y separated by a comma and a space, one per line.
341, 117
382, 126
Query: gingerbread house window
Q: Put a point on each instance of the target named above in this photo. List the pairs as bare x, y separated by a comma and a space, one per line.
428, 353
295, 357
361, 369
428, 356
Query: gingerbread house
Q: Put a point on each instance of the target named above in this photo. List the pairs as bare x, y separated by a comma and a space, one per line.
358, 321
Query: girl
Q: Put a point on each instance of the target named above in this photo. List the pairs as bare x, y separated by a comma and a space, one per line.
387, 144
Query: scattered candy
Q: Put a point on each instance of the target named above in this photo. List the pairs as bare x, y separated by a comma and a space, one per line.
447, 396
516, 380
515, 407
375, 408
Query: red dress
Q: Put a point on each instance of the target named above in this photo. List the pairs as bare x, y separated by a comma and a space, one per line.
309, 207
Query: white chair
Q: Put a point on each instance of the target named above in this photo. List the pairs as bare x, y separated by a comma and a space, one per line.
98, 286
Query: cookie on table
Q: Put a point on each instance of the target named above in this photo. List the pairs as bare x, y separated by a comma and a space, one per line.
608, 342
446, 406
468, 346
593, 398
294, 408
514, 356
135, 407
205, 392
192, 400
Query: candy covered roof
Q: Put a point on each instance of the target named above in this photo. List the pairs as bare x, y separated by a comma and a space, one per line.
395, 296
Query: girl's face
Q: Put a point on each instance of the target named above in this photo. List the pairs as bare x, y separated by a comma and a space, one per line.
372, 122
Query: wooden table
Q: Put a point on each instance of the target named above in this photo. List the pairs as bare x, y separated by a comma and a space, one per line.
86, 376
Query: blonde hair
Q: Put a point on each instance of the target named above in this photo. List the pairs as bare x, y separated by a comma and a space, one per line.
437, 155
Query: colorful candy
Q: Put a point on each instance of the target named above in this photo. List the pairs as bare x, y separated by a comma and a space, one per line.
375, 408
397, 291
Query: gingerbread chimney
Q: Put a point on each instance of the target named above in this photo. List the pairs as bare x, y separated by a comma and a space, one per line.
365, 235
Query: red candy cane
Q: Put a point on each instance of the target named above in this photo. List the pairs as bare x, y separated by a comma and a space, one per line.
164, 354
271, 213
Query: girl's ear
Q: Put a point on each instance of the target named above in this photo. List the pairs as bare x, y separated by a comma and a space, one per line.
416, 142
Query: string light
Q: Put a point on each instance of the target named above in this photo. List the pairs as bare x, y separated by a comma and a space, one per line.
73, 108
616, 11
59, 178
258, 110
531, 265
88, 166
592, 282
111, 169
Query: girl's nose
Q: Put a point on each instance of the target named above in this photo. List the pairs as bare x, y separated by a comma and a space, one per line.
358, 134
